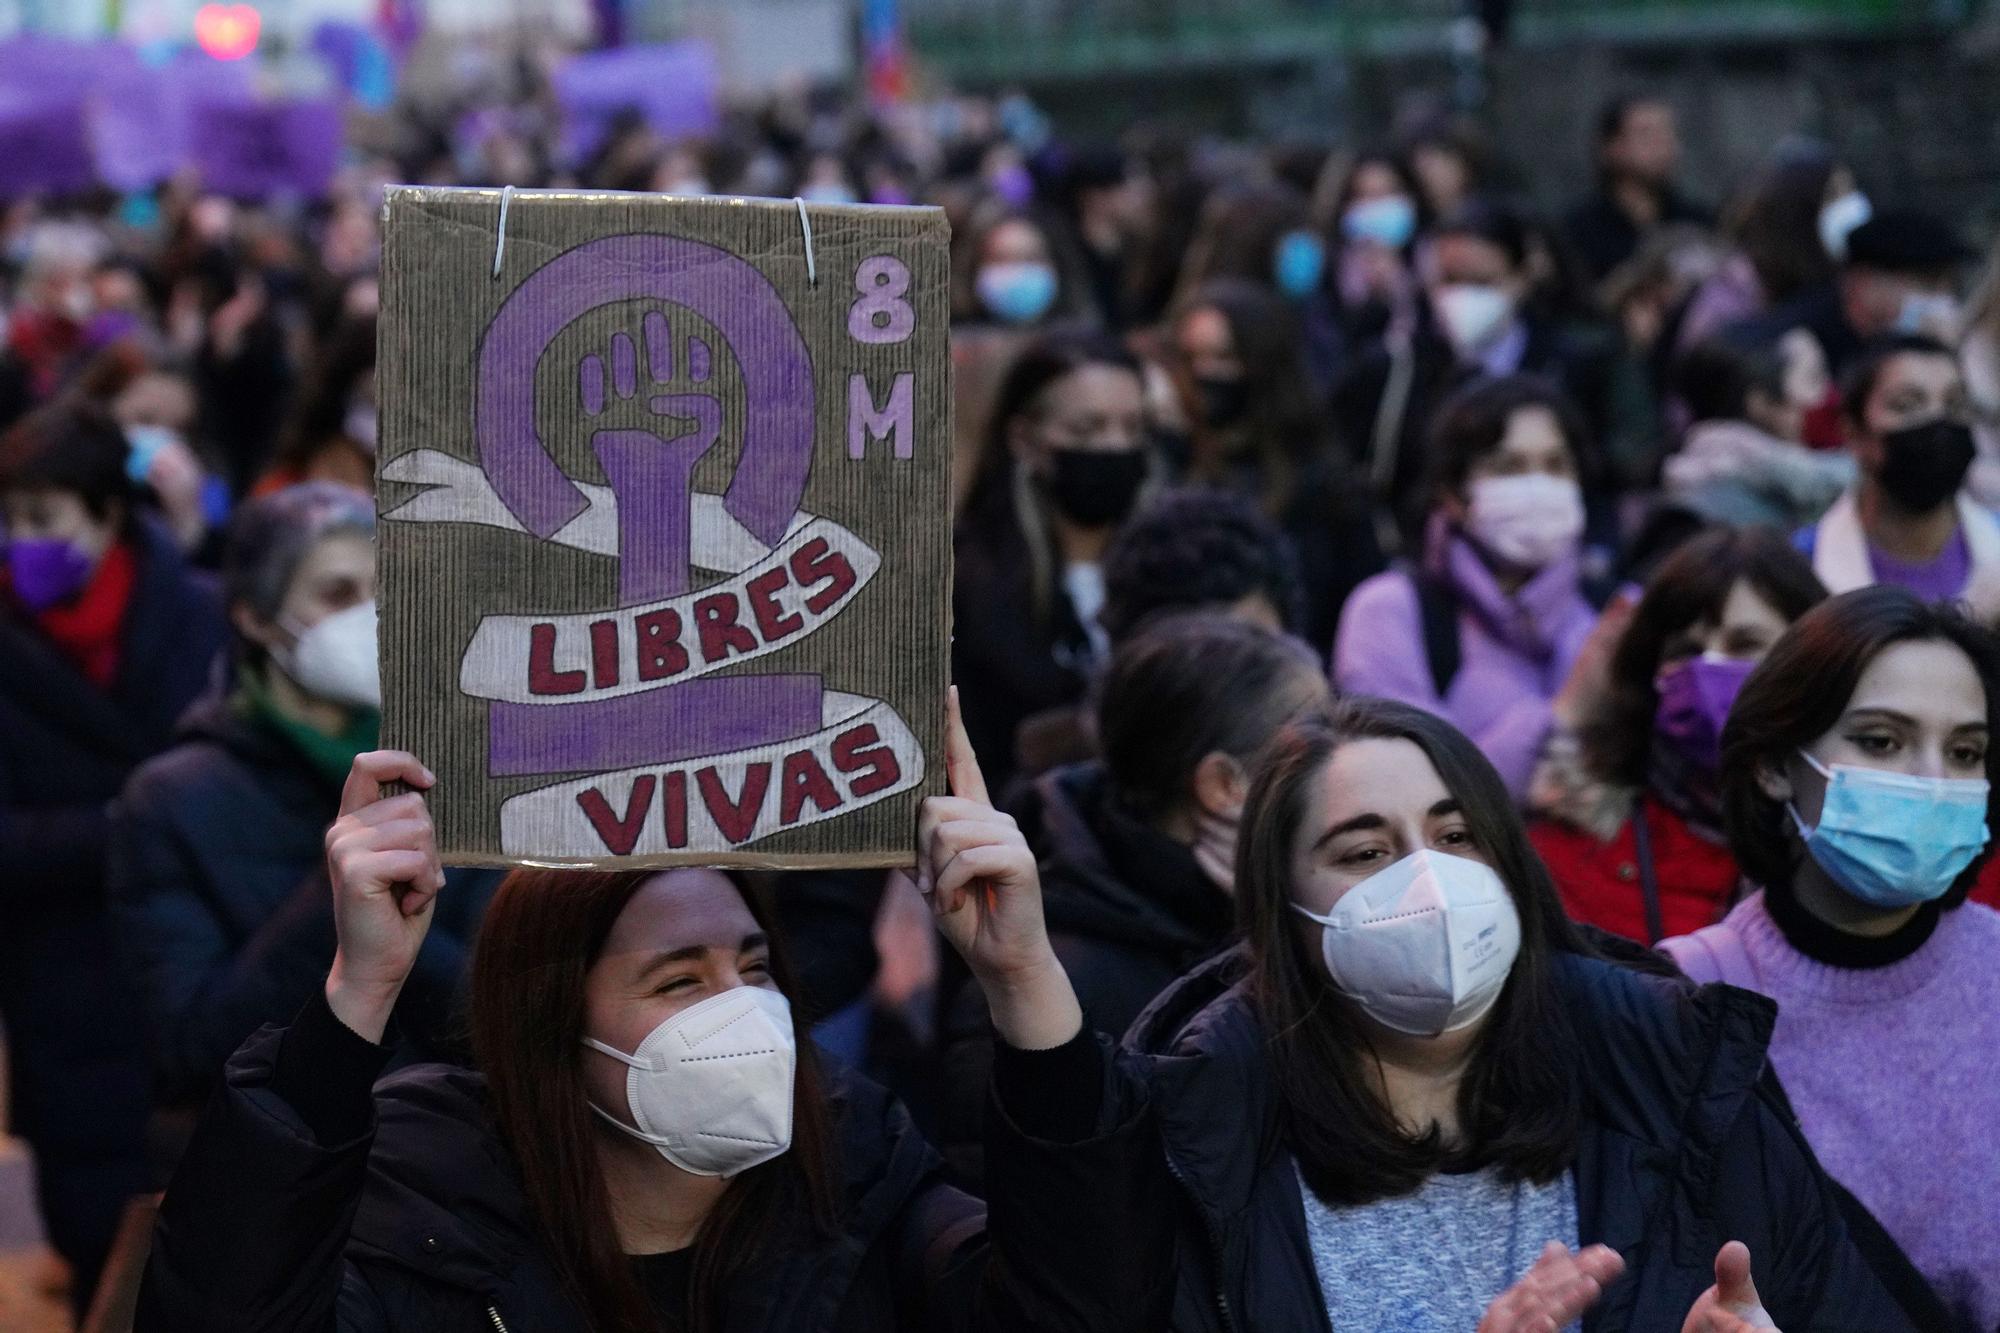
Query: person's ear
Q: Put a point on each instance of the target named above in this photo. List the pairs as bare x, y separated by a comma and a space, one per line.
1773, 782
1021, 441
1220, 785
1454, 507
254, 627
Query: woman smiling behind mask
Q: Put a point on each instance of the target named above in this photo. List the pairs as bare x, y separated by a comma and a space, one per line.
1856, 782
649, 1145
1410, 1092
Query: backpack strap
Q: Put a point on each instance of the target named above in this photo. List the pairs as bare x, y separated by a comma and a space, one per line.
1438, 609
1713, 953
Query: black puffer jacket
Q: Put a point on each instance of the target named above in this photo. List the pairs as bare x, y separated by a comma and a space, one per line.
76, 1053
219, 890
1683, 1149
419, 1226
1128, 909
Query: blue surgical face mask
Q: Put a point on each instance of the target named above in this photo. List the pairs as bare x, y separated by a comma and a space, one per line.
1934, 313
1298, 264
1390, 220
1019, 292
1893, 840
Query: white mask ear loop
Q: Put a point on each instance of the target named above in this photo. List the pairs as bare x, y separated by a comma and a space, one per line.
1791, 807
620, 1056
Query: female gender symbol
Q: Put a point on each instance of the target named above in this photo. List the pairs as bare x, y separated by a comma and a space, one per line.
650, 476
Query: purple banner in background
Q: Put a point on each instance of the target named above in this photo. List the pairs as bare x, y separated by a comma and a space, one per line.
43, 148
252, 150
676, 87
74, 115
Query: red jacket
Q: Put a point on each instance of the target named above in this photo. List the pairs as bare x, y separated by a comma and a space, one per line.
1599, 881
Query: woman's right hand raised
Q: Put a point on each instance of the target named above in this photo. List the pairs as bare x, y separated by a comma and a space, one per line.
382, 857
1732, 1304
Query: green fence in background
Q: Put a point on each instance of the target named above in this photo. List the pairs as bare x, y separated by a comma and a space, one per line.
998, 40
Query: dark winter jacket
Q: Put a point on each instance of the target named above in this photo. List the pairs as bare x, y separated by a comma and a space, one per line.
219, 891
1574, 363
419, 1226
76, 1054
1128, 911
1010, 658
1683, 1148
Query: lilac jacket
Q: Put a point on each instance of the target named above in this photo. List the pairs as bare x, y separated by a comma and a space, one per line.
1514, 652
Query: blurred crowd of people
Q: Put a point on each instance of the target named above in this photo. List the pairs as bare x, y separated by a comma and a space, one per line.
1321, 513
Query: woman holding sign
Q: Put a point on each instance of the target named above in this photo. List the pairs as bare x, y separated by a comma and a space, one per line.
650, 1145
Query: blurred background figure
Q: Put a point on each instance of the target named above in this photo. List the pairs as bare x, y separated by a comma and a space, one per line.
1485, 626
1638, 156
1908, 521
106, 635
220, 934
1066, 459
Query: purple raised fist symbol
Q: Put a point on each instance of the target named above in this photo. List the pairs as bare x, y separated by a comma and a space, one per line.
651, 472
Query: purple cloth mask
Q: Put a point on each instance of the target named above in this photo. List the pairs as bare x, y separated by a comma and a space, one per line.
1695, 698
46, 572
1013, 185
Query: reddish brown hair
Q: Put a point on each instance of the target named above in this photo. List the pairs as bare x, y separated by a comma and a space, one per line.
542, 932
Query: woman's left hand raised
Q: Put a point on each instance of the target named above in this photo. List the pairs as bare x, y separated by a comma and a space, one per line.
1554, 1293
980, 877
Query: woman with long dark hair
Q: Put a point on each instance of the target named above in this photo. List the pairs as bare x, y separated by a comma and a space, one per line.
1630, 815
1066, 459
649, 1145
1259, 427
1411, 1090
1858, 786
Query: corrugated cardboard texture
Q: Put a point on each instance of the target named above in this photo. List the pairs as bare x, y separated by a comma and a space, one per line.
641, 602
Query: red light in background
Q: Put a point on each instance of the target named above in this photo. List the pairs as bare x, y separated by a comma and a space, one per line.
227, 32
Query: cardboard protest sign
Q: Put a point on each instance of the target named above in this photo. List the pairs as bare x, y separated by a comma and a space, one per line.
666, 557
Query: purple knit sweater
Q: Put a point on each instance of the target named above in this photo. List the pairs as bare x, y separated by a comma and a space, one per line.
1895, 1074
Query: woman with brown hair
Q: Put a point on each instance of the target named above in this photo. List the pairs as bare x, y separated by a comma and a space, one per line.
649, 1144
1630, 813
1412, 1089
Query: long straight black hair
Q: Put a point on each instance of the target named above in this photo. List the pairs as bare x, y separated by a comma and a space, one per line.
1520, 1102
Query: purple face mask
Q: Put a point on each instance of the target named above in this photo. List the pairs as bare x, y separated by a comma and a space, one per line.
46, 572
1013, 185
1695, 698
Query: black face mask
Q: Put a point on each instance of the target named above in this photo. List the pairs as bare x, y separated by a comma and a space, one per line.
1095, 488
1923, 466
1223, 402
